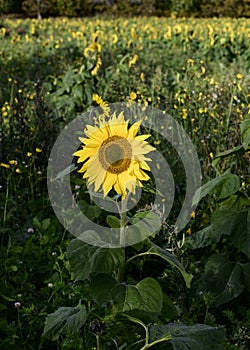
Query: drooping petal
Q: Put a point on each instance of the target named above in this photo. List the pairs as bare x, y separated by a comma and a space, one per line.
109, 182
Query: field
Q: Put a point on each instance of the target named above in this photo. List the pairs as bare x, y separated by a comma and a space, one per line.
176, 290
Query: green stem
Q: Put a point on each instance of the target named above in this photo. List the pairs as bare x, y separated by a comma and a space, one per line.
165, 338
123, 224
6, 203
122, 236
98, 342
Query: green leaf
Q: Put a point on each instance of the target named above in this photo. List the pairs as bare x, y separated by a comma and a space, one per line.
202, 238
145, 224
64, 320
246, 275
223, 279
113, 221
241, 234
235, 150
230, 222
171, 259
100, 288
227, 221
45, 224
144, 299
245, 132
91, 211
86, 259
222, 186
197, 337
66, 171
7, 298
169, 311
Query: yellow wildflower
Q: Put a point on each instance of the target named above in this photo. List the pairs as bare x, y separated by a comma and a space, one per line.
133, 60
4, 165
132, 95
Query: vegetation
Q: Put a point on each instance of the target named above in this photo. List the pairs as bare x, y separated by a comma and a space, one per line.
179, 8
171, 291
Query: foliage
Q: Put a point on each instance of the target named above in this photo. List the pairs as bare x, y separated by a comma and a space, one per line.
170, 291
240, 8
179, 8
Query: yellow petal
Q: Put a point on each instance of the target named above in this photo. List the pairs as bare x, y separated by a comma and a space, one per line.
134, 129
100, 175
142, 137
109, 182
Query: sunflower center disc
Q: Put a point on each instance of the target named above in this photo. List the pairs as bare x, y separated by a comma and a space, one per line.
115, 154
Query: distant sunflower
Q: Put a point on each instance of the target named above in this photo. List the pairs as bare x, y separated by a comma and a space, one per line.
113, 156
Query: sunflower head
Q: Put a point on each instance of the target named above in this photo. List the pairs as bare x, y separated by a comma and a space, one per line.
113, 156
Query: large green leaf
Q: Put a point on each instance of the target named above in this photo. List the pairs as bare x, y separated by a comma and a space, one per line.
144, 299
222, 186
171, 259
223, 279
245, 132
197, 337
64, 320
202, 238
100, 288
246, 275
145, 224
86, 259
169, 311
231, 222
241, 236
228, 221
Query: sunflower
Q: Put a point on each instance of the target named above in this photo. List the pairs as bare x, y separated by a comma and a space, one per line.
113, 156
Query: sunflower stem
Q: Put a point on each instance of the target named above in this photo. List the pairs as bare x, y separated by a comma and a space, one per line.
122, 236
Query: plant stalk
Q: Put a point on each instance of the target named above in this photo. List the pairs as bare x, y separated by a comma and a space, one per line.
122, 236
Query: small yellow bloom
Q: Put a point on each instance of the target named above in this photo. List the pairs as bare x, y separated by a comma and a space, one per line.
97, 66
29, 154
157, 142
189, 231
4, 165
142, 77
239, 76
12, 161
38, 150
190, 61
193, 214
132, 95
133, 60
184, 113
18, 171
114, 38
